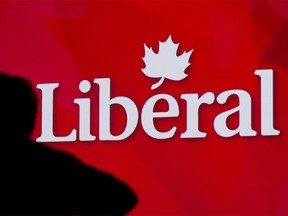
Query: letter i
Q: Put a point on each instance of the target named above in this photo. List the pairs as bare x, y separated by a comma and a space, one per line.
84, 113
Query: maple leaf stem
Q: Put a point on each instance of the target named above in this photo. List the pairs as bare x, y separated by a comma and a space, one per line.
156, 85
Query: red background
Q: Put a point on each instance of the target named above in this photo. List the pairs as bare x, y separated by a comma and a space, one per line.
68, 41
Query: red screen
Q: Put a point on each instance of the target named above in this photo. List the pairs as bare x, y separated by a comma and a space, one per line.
66, 42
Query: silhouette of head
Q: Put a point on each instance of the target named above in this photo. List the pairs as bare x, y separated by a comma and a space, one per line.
18, 105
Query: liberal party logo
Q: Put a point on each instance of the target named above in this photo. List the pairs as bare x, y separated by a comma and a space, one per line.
165, 64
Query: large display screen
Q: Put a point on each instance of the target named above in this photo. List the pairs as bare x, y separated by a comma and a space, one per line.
185, 101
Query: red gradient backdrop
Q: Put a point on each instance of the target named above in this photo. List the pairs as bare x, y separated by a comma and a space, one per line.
68, 41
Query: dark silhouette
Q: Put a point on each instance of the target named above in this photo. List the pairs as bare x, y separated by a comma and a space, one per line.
36, 180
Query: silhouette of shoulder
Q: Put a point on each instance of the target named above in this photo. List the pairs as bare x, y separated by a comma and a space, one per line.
65, 185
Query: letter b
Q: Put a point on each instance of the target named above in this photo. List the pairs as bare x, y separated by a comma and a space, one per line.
105, 103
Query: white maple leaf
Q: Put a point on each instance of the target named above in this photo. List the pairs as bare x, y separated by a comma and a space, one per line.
165, 63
